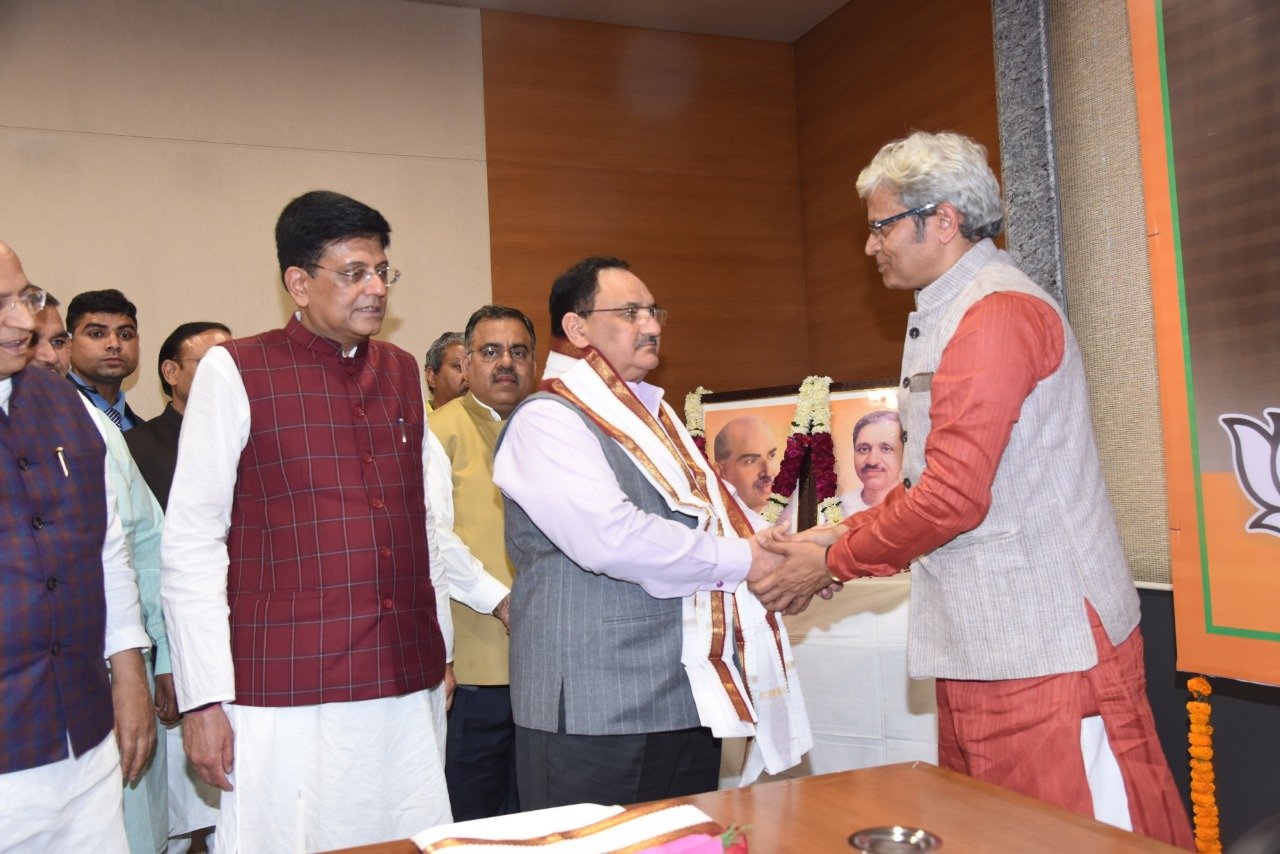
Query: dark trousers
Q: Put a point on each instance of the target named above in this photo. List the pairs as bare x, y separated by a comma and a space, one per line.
555, 769
479, 753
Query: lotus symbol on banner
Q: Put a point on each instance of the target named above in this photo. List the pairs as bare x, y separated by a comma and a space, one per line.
1256, 454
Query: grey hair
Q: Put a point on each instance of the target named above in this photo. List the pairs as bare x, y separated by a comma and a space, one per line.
435, 355
926, 168
877, 417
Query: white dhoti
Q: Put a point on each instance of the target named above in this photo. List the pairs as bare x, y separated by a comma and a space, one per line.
193, 803
349, 773
75, 804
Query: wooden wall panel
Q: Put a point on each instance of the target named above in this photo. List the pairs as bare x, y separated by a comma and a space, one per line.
870, 73
674, 151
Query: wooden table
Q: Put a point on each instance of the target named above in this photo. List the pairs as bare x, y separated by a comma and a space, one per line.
817, 814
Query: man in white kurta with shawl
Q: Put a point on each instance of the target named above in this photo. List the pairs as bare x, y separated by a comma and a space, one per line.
628, 553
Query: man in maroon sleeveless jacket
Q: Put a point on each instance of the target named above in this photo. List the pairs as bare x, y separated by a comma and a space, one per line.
67, 586
308, 630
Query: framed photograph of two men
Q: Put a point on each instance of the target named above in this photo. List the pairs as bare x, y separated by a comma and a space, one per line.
850, 402
1208, 150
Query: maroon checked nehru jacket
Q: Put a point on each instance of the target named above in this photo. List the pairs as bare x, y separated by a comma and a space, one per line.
329, 584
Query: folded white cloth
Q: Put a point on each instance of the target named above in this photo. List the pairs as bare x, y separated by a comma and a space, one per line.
576, 829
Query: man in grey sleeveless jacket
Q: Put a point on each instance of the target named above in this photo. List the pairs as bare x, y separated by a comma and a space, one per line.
604, 711
1022, 604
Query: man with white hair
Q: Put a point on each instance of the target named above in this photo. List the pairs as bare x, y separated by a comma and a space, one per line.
1022, 604
70, 632
444, 369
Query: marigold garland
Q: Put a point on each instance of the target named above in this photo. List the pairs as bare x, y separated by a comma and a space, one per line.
1204, 805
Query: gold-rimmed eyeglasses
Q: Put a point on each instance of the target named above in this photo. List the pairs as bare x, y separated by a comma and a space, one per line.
33, 299
495, 352
636, 314
361, 276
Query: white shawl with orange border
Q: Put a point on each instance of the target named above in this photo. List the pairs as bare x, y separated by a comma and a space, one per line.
769, 706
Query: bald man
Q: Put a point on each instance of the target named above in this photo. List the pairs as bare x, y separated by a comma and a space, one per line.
60, 766
746, 457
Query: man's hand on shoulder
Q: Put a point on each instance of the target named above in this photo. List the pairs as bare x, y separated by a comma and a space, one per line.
210, 744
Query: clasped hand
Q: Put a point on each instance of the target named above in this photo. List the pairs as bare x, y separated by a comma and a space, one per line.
788, 569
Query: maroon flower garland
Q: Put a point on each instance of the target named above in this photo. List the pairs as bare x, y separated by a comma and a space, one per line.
788, 477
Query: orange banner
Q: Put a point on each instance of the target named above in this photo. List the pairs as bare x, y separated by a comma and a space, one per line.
1215, 324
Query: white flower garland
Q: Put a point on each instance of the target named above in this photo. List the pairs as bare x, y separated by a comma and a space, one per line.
694, 419
830, 510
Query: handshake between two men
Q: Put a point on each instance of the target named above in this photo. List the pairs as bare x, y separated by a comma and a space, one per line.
788, 569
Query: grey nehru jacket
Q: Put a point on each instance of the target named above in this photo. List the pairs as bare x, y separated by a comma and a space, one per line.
605, 648
1006, 600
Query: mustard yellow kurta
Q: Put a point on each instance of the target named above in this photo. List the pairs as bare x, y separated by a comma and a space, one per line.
469, 433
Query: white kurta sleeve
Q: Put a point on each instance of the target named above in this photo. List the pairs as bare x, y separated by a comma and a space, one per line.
439, 576
469, 582
119, 582
554, 468
194, 561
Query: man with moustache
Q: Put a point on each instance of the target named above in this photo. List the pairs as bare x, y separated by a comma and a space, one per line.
444, 369
467, 507
746, 458
1022, 604
69, 601
623, 676
146, 803
308, 627
877, 460
104, 351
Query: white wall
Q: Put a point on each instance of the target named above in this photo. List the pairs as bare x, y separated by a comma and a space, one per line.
149, 145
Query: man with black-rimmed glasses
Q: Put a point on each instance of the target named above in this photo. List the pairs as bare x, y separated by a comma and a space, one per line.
1022, 605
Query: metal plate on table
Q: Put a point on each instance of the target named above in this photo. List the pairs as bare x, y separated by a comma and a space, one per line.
894, 840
